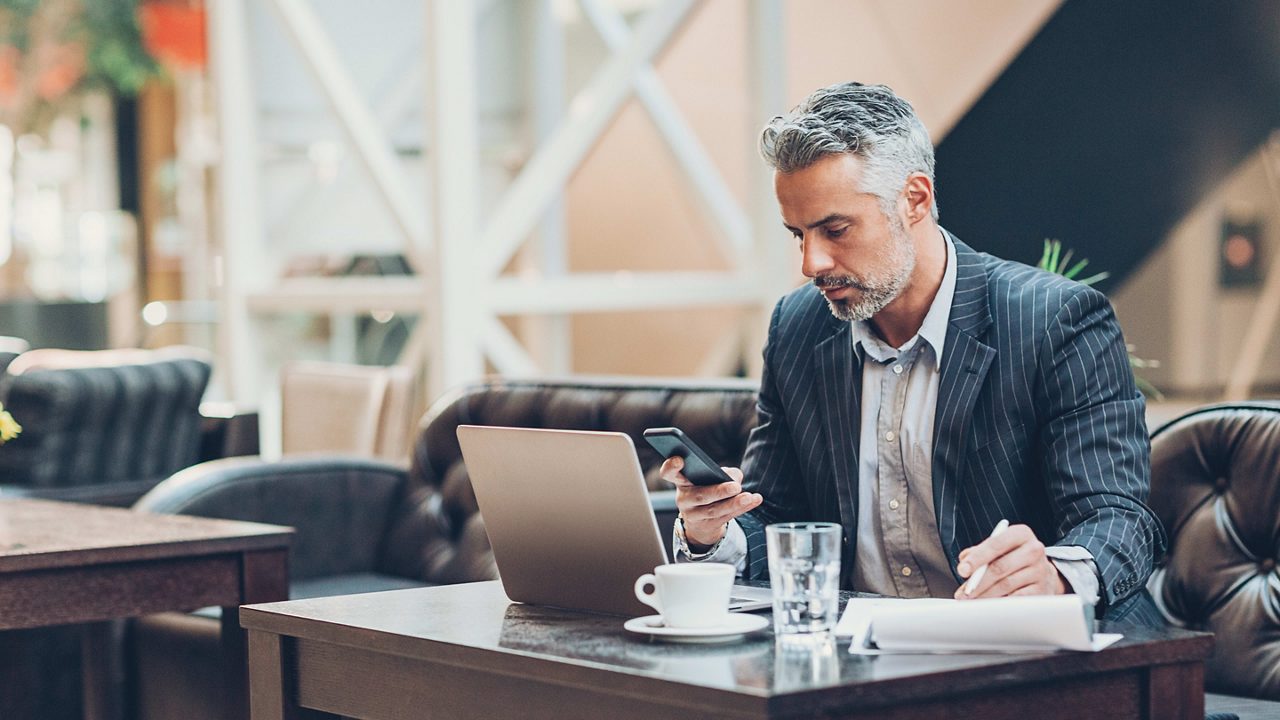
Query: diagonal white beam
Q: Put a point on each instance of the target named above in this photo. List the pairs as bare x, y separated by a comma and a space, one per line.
507, 354
731, 228
595, 105
389, 111
358, 121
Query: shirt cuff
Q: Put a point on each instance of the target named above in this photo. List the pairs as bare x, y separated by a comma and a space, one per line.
732, 548
1077, 566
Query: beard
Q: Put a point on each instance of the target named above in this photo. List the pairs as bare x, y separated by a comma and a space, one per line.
872, 294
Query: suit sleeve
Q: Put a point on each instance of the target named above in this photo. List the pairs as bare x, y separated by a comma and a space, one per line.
1096, 459
770, 466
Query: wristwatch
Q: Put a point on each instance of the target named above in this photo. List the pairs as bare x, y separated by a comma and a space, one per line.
682, 543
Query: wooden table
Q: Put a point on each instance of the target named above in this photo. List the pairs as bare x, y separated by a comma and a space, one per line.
62, 563
465, 651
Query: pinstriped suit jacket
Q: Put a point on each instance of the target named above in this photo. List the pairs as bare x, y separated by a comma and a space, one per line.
1038, 421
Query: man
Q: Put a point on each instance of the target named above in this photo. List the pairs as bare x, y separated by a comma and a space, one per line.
918, 392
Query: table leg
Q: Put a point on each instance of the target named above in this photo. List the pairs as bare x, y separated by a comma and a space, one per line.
1175, 692
264, 577
102, 674
270, 696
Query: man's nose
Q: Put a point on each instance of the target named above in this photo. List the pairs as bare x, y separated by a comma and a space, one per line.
815, 260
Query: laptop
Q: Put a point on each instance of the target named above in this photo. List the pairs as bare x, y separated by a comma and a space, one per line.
569, 519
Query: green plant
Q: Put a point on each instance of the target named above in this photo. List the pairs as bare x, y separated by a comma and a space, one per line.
1055, 260
51, 50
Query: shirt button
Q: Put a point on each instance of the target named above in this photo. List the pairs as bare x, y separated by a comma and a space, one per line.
889, 436
897, 369
893, 504
906, 571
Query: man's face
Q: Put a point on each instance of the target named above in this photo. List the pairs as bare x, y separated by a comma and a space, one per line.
857, 256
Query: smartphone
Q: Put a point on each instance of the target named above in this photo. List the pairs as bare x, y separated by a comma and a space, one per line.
698, 465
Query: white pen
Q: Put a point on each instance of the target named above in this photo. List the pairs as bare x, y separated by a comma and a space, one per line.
976, 578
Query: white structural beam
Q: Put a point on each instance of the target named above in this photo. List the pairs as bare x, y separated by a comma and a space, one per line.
506, 353
767, 68
455, 311
546, 174
549, 336
1266, 313
390, 110
604, 292
360, 294
363, 129
239, 268
730, 226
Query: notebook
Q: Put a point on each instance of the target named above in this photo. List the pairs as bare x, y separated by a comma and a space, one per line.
1040, 623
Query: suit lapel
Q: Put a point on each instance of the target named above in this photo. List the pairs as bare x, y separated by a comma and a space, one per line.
965, 363
840, 395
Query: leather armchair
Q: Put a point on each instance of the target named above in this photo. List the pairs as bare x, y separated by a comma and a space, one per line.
342, 509
100, 427
364, 525
1214, 486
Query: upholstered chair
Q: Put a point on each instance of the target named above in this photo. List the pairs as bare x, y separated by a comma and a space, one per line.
102, 426
346, 409
1215, 484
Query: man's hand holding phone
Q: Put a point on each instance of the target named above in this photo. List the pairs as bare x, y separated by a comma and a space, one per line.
707, 508
707, 495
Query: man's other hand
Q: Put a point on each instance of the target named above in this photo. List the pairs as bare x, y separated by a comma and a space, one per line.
706, 508
1016, 565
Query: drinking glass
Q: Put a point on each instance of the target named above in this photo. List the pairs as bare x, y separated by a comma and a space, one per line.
804, 570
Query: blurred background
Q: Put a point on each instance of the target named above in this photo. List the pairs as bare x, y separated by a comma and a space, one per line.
550, 187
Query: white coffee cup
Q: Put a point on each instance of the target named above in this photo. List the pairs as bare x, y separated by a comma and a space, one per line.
688, 595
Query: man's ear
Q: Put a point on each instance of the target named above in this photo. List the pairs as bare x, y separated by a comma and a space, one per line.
919, 196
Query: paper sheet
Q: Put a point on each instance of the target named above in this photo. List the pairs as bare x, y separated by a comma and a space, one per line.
936, 625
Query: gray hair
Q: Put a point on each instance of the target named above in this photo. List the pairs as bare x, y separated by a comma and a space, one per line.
869, 121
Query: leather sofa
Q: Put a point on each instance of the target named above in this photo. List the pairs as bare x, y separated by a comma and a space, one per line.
365, 525
1216, 489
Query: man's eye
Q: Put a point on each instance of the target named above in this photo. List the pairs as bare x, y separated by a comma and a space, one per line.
836, 232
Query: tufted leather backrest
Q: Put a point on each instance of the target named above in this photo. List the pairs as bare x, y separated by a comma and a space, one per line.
442, 539
134, 424
1215, 484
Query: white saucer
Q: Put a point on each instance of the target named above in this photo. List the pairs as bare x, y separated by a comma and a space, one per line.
735, 625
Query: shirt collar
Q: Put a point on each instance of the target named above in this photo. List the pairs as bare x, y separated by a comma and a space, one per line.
934, 328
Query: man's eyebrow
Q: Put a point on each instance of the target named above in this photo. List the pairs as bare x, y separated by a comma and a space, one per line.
833, 217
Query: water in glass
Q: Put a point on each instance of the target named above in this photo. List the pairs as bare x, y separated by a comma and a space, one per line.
804, 570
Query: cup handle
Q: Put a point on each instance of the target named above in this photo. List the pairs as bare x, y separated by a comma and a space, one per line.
648, 598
